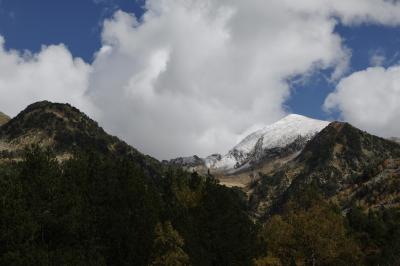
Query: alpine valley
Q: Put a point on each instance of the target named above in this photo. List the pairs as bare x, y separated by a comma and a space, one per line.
299, 191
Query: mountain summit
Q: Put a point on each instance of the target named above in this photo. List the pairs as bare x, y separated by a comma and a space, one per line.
63, 129
282, 139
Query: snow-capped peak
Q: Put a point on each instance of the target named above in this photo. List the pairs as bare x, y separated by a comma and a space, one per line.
276, 135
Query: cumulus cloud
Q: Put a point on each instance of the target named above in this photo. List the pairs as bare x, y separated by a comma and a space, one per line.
192, 76
370, 99
52, 74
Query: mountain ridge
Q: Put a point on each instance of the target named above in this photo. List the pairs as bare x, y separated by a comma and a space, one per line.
342, 161
65, 130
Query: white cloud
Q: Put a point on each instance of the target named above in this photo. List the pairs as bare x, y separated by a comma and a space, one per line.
353, 12
370, 99
52, 74
192, 76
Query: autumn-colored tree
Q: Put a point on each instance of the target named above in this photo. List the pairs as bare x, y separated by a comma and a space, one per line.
316, 236
321, 237
277, 235
168, 247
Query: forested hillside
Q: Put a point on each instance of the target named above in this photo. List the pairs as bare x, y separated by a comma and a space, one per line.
99, 210
73, 195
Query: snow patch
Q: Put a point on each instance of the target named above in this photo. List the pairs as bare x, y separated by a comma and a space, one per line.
276, 135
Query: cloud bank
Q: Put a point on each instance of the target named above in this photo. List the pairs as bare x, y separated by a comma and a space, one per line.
370, 99
192, 76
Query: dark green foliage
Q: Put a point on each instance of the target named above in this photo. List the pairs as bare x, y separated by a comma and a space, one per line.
223, 220
211, 218
378, 233
91, 210
102, 210
111, 205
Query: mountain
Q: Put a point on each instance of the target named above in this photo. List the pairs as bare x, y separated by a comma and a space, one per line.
349, 166
323, 194
264, 148
3, 118
186, 162
63, 129
94, 200
287, 136
271, 165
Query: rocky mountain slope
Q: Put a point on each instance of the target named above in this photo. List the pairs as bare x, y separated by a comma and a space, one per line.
3, 118
349, 166
63, 129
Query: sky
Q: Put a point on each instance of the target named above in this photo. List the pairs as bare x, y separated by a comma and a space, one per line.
183, 77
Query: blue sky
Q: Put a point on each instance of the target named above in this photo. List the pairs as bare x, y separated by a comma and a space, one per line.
371, 38
77, 24
364, 41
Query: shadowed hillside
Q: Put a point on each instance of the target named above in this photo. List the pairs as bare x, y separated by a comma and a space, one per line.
74, 195
65, 130
348, 166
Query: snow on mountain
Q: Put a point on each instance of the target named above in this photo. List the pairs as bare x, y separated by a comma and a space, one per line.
278, 135
212, 159
191, 161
